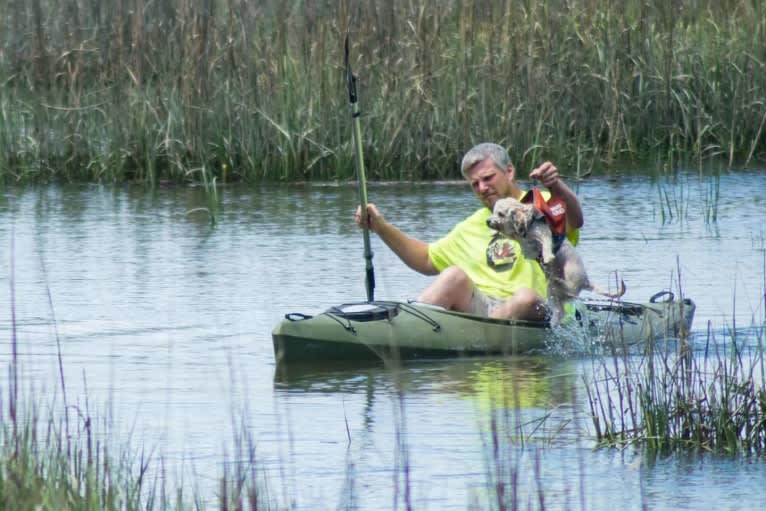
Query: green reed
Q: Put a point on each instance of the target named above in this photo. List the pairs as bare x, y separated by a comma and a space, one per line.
65, 459
136, 90
41, 467
712, 196
47, 464
680, 395
676, 397
677, 200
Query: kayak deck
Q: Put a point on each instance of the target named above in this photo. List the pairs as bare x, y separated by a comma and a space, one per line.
404, 330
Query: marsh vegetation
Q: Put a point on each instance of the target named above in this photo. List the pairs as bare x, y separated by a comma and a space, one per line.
224, 90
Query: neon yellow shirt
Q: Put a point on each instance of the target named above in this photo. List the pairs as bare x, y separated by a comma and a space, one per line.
493, 262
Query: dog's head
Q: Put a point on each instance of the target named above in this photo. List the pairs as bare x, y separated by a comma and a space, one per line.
512, 217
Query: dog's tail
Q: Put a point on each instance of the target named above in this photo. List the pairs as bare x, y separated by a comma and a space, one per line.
610, 294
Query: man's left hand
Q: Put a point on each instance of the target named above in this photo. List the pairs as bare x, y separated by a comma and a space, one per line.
546, 173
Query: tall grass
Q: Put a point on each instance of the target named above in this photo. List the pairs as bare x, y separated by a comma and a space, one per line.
685, 395
41, 467
67, 459
150, 91
715, 401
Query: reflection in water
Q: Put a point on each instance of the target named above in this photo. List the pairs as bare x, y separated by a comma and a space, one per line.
524, 389
512, 382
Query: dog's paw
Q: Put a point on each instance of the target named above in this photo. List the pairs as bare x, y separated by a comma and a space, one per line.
547, 256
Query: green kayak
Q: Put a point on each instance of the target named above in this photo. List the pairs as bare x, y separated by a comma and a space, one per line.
410, 330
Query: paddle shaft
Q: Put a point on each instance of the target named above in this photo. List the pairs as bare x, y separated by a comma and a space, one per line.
360, 176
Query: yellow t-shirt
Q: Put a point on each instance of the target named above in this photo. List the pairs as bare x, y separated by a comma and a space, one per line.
493, 262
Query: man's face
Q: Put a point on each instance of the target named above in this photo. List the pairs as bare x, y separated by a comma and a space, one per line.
489, 183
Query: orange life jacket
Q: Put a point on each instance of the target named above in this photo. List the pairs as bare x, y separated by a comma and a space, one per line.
554, 212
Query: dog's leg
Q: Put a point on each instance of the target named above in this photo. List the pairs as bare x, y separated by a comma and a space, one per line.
574, 276
603, 292
541, 233
555, 300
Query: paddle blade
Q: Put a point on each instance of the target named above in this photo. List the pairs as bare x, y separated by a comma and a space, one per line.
350, 78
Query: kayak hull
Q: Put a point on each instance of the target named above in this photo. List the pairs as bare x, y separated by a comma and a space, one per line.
404, 330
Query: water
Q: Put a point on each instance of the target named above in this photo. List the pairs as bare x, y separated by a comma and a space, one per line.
164, 323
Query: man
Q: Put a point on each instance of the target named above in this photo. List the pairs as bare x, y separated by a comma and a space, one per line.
479, 270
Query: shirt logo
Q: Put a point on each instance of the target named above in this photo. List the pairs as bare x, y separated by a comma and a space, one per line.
557, 209
501, 253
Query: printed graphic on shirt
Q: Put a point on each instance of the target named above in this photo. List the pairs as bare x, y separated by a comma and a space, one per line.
501, 254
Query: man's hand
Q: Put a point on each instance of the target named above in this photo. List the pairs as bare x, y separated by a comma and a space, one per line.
374, 218
547, 174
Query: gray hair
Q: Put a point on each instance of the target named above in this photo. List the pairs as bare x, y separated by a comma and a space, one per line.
481, 152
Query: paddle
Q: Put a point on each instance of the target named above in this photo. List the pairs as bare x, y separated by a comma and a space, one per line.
361, 181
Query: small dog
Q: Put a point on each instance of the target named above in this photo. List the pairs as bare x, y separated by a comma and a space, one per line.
563, 266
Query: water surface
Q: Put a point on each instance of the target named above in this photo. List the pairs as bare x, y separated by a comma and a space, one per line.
164, 323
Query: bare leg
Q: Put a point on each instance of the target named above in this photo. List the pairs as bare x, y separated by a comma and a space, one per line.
524, 304
452, 290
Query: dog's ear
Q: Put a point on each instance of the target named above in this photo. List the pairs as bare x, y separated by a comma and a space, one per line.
501, 209
522, 216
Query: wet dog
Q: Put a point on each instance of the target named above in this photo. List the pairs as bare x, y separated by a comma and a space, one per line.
562, 265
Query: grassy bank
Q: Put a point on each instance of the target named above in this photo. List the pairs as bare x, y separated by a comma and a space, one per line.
222, 90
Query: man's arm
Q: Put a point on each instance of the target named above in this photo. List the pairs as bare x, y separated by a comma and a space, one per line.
413, 252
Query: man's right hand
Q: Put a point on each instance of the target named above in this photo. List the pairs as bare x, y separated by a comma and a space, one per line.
413, 252
374, 218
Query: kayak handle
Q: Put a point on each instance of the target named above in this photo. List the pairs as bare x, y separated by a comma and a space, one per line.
415, 312
668, 295
296, 316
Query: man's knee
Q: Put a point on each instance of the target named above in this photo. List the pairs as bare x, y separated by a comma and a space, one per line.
451, 289
526, 297
525, 304
455, 276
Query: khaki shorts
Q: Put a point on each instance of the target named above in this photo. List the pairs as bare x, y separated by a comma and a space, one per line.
481, 304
